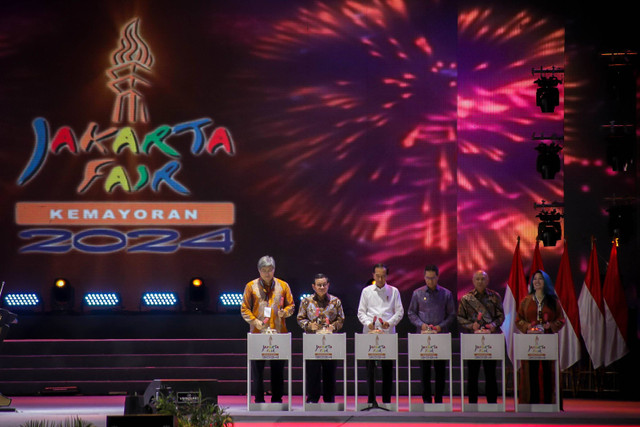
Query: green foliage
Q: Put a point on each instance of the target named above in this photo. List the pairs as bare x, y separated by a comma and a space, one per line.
70, 422
203, 414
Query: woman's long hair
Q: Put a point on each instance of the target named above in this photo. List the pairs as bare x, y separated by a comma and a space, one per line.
549, 290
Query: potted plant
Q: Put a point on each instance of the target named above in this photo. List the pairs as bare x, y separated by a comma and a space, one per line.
201, 413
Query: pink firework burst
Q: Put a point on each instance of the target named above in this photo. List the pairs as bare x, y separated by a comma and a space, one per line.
359, 118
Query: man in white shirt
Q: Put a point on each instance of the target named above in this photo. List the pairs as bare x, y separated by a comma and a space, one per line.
380, 310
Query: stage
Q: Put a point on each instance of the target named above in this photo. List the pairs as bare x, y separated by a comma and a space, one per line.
95, 409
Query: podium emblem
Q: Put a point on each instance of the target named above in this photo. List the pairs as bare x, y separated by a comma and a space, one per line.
537, 350
429, 350
324, 350
377, 350
271, 350
483, 350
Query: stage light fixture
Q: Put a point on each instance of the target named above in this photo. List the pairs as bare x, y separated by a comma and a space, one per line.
548, 161
197, 295
231, 299
547, 95
549, 229
102, 301
622, 220
23, 301
621, 147
303, 296
62, 295
160, 301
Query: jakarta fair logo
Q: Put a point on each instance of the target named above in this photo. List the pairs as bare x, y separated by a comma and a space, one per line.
116, 158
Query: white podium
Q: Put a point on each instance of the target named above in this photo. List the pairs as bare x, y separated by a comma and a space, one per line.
376, 347
268, 347
430, 347
482, 347
324, 347
536, 347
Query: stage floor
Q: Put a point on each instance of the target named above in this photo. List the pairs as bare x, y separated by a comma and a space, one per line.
95, 409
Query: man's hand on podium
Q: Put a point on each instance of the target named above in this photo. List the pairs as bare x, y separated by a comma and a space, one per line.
258, 324
430, 329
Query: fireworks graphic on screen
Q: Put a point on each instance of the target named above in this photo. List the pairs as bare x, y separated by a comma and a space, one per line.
497, 116
414, 143
365, 128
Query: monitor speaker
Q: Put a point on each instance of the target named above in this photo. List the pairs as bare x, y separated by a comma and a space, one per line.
186, 391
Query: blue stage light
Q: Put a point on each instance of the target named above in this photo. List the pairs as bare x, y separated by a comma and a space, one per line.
22, 300
159, 299
231, 299
303, 296
102, 300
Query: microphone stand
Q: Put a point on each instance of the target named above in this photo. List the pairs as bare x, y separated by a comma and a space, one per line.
375, 405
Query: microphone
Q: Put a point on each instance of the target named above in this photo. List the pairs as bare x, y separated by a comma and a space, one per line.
375, 319
281, 302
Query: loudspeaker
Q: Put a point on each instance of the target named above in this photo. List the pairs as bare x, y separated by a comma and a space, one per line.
150, 420
135, 405
185, 390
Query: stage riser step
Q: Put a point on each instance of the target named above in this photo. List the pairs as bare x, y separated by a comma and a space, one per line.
139, 387
107, 366
143, 346
40, 363
120, 360
45, 347
125, 374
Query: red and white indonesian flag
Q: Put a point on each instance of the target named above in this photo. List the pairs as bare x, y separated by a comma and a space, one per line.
592, 311
536, 264
568, 336
516, 290
615, 312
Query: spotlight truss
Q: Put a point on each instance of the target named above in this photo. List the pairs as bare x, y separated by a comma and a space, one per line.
547, 95
549, 229
620, 59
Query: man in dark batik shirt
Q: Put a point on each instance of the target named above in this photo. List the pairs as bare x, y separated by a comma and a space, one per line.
480, 311
321, 313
